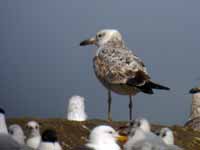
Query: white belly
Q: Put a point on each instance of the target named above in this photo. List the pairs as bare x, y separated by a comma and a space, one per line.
121, 89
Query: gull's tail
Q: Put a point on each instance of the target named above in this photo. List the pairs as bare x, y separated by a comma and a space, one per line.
157, 86
149, 86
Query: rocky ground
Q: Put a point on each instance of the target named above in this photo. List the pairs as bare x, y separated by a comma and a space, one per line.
72, 134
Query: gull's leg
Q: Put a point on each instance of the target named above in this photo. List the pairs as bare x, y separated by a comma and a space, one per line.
130, 107
109, 106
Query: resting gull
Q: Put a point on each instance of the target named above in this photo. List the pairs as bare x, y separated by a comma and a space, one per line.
118, 68
140, 136
102, 137
6, 140
49, 141
17, 133
33, 134
167, 135
76, 109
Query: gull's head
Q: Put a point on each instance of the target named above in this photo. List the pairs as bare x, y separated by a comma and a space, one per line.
194, 90
167, 135
3, 126
49, 135
141, 123
15, 130
104, 134
76, 104
2, 111
103, 37
17, 133
33, 129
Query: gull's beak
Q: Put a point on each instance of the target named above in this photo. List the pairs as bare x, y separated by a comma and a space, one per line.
91, 41
122, 138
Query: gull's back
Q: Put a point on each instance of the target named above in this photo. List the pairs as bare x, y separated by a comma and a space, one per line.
8, 143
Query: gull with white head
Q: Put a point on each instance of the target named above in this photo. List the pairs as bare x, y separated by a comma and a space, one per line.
140, 136
17, 133
167, 135
49, 141
118, 68
33, 134
102, 137
76, 109
6, 141
3, 126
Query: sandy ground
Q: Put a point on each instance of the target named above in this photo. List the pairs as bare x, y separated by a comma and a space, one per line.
72, 134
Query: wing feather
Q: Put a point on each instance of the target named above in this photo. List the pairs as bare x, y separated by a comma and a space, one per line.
118, 65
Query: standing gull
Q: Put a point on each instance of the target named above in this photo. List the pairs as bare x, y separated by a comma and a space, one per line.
194, 119
118, 68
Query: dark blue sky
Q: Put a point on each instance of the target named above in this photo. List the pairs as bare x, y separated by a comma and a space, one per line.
42, 64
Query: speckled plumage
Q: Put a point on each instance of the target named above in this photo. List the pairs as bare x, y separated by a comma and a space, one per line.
194, 119
114, 65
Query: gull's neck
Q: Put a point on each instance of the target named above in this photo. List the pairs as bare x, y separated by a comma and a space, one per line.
195, 109
3, 126
102, 143
138, 135
49, 146
111, 146
115, 43
169, 140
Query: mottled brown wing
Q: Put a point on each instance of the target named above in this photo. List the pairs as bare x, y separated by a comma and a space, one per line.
194, 123
117, 72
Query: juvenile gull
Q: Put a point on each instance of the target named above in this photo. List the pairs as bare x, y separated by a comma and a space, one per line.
49, 141
167, 135
194, 119
118, 68
102, 137
33, 134
6, 141
76, 109
17, 133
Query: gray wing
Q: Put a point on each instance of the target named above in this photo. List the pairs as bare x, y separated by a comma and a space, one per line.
118, 65
145, 141
174, 147
151, 137
145, 145
8, 143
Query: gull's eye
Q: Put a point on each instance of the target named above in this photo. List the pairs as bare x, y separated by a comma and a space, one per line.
110, 132
100, 35
157, 133
138, 124
10, 131
131, 123
164, 134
